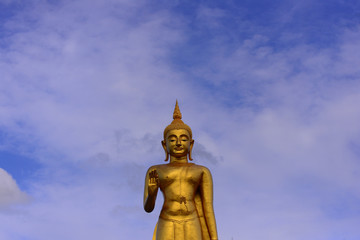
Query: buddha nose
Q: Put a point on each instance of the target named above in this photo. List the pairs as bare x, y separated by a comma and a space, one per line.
178, 142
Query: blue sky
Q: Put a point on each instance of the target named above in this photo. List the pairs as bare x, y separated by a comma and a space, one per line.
269, 88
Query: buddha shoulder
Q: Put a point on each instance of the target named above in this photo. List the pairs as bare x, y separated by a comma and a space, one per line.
157, 167
201, 167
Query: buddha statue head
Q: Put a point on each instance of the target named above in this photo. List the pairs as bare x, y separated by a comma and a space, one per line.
178, 140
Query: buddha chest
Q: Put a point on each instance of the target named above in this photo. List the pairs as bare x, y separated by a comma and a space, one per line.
188, 175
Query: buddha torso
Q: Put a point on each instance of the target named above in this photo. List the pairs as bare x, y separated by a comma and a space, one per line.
179, 183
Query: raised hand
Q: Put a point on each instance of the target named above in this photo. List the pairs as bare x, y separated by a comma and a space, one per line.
153, 182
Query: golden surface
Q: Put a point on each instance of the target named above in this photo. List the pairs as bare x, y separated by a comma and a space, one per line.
187, 212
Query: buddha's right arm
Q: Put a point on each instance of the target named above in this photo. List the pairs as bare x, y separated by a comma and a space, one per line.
150, 192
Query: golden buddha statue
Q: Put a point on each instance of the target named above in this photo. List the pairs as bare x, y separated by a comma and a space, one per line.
187, 212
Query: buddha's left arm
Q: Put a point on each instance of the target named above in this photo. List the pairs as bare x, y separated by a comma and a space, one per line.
207, 200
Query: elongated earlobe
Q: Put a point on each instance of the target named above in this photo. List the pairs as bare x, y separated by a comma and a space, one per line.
163, 143
191, 147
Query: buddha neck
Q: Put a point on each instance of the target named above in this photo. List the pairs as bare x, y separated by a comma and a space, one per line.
178, 160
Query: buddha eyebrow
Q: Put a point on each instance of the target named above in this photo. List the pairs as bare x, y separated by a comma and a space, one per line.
182, 135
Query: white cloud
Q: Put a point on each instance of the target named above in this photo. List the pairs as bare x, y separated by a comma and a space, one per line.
10, 193
99, 202
82, 75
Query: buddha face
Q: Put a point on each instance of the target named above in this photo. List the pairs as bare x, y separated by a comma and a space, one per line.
178, 143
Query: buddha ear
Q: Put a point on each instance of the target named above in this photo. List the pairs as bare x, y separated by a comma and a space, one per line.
191, 147
163, 143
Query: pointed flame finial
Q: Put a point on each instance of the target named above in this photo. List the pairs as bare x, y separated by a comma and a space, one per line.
177, 123
177, 113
